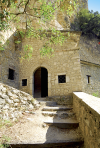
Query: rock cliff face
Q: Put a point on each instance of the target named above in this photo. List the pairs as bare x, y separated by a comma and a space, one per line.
61, 21
13, 102
89, 49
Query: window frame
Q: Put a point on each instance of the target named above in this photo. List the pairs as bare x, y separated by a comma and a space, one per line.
88, 79
24, 82
11, 74
60, 78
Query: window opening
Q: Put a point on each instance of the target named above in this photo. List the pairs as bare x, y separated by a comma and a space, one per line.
11, 74
88, 78
62, 79
24, 82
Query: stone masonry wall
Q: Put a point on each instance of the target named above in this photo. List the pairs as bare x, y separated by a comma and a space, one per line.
90, 63
87, 109
9, 59
94, 72
65, 62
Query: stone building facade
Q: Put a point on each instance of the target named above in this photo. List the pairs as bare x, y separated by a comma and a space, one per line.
63, 70
9, 62
41, 76
90, 64
74, 67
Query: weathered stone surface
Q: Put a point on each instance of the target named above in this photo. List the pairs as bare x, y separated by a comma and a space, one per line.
15, 91
31, 106
2, 101
9, 94
16, 100
6, 106
12, 105
37, 106
1, 94
1, 106
15, 104
87, 110
5, 97
23, 102
4, 89
9, 101
64, 115
24, 98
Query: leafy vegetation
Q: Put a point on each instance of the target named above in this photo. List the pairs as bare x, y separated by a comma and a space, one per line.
89, 22
4, 140
40, 11
6, 123
96, 94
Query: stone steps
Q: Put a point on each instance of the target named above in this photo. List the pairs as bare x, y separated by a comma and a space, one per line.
56, 108
56, 131
63, 114
53, 144
48, 103
62, 123
68, 123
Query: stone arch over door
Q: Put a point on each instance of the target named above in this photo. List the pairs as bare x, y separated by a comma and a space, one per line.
40, 82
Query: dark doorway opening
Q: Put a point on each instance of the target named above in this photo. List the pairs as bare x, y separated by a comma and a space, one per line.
41, 82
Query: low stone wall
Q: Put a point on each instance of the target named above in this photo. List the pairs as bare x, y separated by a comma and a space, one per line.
87, 109
14, 102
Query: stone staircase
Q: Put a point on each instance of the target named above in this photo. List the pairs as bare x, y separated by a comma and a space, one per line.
63, 126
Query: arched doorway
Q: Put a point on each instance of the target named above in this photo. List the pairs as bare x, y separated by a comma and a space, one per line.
40, 83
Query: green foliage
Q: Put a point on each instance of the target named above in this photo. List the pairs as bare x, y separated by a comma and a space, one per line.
4, 25
89, 22
7, 123
2, 48
43, 11
96, 94
46, 11
4, 142
28, 50
46, 50
17, 42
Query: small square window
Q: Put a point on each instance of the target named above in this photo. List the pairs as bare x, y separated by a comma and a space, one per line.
24, 82
88, 79
11, 74
62, 79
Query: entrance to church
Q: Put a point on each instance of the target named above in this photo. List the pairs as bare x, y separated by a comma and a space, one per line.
41, 83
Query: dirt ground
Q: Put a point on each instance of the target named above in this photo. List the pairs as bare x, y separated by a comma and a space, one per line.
30, 128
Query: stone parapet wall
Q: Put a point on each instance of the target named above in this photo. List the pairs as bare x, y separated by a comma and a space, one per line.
87, 109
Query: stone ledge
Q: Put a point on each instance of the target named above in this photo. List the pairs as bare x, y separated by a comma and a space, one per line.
92, 103
87, 110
